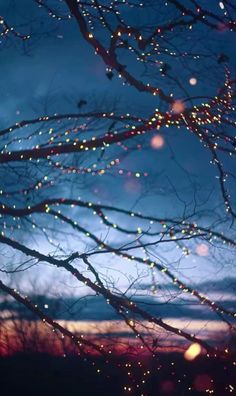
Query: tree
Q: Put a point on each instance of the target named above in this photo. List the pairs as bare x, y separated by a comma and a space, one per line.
59, 170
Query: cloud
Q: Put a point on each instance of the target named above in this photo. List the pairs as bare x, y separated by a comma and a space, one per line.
223, 285
95, 308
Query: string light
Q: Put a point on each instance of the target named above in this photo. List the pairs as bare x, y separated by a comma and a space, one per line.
51, 148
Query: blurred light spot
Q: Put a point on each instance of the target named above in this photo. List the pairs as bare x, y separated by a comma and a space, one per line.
192, 81
222, 27
221, 4
157, 142
178, 106
132, 185
192, 352
167, 386
46, 306
202, 383
202, 249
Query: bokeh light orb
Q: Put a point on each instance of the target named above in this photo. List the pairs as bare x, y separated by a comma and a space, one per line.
202, 249
157, 142
132, 185
167, 386
178, 106
192, 81
193, 351
203, 383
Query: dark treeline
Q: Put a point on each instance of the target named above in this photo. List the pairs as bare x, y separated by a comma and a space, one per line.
170, 375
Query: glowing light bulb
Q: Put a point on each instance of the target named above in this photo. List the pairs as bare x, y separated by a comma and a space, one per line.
192, 352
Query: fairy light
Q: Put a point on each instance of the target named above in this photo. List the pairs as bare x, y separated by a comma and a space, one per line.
192, 352
195, 119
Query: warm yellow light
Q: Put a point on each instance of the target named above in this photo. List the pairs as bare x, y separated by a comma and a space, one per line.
192, 352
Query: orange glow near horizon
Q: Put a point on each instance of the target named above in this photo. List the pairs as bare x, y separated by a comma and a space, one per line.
39, 337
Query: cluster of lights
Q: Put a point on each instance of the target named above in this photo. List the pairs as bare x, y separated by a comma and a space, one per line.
196, 119
5, 30
201, 249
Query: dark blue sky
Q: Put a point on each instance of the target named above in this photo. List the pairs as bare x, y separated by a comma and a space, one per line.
53, 71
